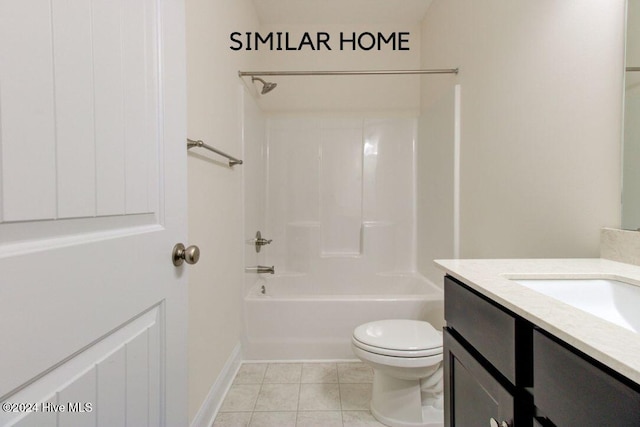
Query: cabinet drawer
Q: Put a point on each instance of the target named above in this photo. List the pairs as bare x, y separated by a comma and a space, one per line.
571, 391
484, 325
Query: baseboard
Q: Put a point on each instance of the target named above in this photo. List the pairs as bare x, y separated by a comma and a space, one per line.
211, 405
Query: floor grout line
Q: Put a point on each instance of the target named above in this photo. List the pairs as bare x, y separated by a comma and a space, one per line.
340, 397
298, 410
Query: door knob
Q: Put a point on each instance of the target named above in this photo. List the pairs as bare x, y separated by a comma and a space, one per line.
181, 254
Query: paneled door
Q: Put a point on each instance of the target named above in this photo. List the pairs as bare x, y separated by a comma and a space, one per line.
92, 201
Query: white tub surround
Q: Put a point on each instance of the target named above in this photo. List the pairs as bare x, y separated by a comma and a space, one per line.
337, 197
340, 196
610, 344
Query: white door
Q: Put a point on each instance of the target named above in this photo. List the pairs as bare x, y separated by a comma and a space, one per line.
92, 200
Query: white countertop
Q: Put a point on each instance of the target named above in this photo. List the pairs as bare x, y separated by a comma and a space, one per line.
613, 345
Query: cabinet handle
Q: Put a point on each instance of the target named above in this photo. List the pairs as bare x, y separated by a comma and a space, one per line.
494, 423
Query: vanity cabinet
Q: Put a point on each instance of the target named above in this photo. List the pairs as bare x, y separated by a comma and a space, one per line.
485, 348
503, 371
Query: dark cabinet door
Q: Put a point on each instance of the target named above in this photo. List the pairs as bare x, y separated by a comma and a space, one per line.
574, 392
472, 395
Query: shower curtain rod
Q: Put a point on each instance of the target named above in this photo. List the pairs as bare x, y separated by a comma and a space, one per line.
345, 73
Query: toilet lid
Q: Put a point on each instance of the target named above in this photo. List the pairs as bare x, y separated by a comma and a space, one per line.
399, 335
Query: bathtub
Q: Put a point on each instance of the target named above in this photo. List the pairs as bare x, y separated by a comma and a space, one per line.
296, 319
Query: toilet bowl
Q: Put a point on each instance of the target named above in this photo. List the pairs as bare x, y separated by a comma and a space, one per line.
406, 357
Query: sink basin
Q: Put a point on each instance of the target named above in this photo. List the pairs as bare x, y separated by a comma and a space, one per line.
611, 300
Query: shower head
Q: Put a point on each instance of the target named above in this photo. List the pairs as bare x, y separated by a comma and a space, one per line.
267, 86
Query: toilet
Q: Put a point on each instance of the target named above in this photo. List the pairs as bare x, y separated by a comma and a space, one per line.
406, 357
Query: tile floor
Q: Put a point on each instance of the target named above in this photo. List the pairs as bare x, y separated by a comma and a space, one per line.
299, 395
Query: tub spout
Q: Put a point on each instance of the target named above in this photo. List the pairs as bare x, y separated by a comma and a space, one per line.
260, 269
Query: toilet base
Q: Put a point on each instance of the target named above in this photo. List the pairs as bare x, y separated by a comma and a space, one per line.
397, 402
395, 423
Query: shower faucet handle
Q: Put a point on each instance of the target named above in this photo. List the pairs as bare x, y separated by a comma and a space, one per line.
259, 241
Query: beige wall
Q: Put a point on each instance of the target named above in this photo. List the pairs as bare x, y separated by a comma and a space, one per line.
541, 114
215, 191
339, 94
